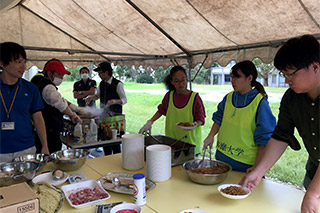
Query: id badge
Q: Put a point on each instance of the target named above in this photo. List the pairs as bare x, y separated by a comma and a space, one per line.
7, 125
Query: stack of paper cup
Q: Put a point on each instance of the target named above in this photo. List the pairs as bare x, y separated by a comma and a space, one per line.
132, 151
158, 158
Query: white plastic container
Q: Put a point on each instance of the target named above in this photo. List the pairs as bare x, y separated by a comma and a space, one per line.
77, 133
75, 187
93, 135
139, 182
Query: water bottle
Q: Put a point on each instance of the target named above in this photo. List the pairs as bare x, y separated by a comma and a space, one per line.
77, 133
93, 131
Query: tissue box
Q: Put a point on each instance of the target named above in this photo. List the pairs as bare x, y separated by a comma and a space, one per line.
18, 198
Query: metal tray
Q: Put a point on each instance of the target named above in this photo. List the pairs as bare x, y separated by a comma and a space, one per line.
127, 185
180, 151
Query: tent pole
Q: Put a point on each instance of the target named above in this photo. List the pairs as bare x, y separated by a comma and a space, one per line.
190, 73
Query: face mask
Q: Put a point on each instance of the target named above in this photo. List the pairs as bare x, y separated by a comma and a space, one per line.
57, 81
84, 76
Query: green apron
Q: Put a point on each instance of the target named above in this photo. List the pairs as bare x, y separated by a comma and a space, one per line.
176, 115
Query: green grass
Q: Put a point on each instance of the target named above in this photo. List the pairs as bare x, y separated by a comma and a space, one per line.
142, 106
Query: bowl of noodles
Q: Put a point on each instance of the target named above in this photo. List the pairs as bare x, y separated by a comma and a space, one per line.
207, 172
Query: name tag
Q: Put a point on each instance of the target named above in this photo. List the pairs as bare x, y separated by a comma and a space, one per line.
7, 125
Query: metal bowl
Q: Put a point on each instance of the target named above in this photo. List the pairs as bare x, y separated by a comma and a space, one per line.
17, 172
42, 159
69, 159
207, 179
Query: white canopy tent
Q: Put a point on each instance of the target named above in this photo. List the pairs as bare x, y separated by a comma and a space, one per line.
155, 33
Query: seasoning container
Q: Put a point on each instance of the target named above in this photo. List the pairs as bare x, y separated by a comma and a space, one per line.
77, 133
122, 132
139, 182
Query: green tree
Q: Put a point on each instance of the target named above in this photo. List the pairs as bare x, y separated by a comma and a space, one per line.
160, 74
264, 70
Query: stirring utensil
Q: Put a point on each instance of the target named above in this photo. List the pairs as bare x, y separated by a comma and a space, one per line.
117, 183
178, 140
154, 138
204, 154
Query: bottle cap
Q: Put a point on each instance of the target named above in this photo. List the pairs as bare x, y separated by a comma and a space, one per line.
138, 176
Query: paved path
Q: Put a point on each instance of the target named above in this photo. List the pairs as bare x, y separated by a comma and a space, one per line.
206, 95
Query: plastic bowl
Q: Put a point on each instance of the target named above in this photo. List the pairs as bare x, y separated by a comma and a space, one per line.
126, 206
42, 159
234, 196
207, 179
69, 159
17, 172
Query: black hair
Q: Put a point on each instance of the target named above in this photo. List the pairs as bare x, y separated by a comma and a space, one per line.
84, 68
248, 68
298, 53
167, 80
10, 51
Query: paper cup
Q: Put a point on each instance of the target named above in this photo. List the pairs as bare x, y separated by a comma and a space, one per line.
132, 151
114, 134
158, 158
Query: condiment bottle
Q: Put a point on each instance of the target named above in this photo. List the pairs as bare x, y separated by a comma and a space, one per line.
122, 132
77, 133
108, 132
99, 133
103, 132
139, 189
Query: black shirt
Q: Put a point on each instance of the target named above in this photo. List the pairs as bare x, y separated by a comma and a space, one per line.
300, 111
81, 86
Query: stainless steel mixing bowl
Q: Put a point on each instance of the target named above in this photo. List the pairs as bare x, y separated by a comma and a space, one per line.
17, 172
69, 159
207, 179
42, 159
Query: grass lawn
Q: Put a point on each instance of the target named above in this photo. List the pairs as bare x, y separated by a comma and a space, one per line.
142, 105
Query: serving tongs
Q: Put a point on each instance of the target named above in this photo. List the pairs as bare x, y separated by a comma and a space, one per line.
204, 155
186, 136
154, 138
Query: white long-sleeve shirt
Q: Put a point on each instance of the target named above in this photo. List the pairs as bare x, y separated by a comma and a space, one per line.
52, 97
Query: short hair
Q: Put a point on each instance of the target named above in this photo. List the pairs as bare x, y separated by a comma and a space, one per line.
10, 51
298, 53
84, 68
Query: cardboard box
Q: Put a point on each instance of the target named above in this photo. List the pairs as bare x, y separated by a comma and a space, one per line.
18, 198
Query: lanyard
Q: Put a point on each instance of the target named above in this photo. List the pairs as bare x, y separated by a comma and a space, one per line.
4, 104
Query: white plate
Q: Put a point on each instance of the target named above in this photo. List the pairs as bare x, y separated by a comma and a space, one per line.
192, 211
233, 196
75, 187
48, 177
188, 128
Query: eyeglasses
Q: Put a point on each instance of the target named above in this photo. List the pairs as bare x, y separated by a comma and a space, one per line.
175, 81
290, 74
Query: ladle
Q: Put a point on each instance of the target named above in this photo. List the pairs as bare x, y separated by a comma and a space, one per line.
117, 182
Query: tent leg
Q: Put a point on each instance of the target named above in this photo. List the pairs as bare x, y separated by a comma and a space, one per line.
190, 73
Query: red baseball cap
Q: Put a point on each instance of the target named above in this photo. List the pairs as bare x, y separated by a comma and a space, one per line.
56, 66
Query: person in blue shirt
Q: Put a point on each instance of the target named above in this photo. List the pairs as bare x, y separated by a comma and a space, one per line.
20, 105
244, 120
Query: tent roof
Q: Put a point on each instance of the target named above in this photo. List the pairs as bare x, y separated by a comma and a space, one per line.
155, 33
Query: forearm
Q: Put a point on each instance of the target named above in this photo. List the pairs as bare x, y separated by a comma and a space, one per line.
314, 187
271, 153
260, 153
156, 116
214, 130
40, 127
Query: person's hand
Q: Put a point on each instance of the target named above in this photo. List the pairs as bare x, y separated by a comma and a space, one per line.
146, 128
251, 180
88, 99
207, 142
111, 102
310, 204
45, 150
75, 118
